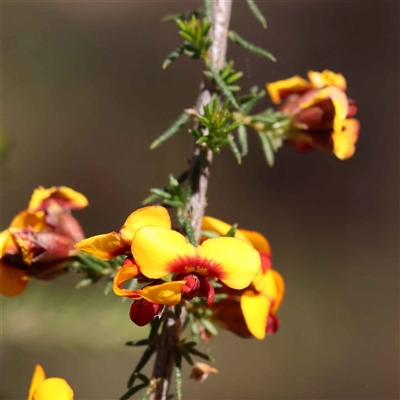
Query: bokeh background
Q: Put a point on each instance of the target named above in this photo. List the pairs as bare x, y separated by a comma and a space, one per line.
83, 96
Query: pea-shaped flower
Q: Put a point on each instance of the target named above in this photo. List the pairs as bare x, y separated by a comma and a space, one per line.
321, 112
249, 312
40, 238
157, 253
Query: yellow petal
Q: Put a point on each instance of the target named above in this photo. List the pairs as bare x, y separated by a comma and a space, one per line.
152, 216
259, 282
38, 377
105, 247
62, 195
233, 261
13, 280
326, 78
339, 101
280, 89
344, 142
125, 273
280, 290
168, 293
53, 389
259, 241
28, 219
222, 228
7, 245
255, 308
156, 251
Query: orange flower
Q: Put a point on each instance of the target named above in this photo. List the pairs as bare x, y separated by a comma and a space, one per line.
50, 388
156, 252
250, 312
321, 112
39, 237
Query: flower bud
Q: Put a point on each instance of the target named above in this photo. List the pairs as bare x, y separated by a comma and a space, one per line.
41, 246
142, 312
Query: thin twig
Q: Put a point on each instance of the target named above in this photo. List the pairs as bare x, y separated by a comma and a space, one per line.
199, 170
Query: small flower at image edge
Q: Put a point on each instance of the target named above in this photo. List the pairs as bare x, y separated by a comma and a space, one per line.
322, 113
40, 238
43, 388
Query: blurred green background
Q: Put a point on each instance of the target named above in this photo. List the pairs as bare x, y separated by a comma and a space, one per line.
83, 96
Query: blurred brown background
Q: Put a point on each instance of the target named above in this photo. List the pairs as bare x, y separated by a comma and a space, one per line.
83, 97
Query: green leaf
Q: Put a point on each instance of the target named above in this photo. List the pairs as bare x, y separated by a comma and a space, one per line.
232, 231
178, 376
189, 232
132, 391
84, 283
155, 325
173, 56
194, 329
142, 362
248, 106
209, 326
222, 86
233, 78
108, 286
183, 119
267, 147
208, 9
141, 342
143, 378
187, 36
210, 234
161, 193
150, 199
180, 24
256, 12
235, 149
242, 136
250, 46
219, 297
185, 354
232, 127
173, 203
199, 354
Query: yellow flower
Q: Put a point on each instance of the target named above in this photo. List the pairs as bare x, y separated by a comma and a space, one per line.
38, 237
50, 388
250, 312
321, 112
155, 251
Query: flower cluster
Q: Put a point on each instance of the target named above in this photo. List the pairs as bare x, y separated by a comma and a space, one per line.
40, 239
43, 388
322, 113
251, 311
165, 268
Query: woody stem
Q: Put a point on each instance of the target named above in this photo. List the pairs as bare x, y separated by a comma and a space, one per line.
199, 170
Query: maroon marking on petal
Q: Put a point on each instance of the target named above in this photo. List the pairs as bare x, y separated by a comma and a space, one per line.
198, 265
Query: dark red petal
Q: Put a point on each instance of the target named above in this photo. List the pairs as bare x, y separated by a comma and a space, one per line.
272, 324
207, 290
142, 312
